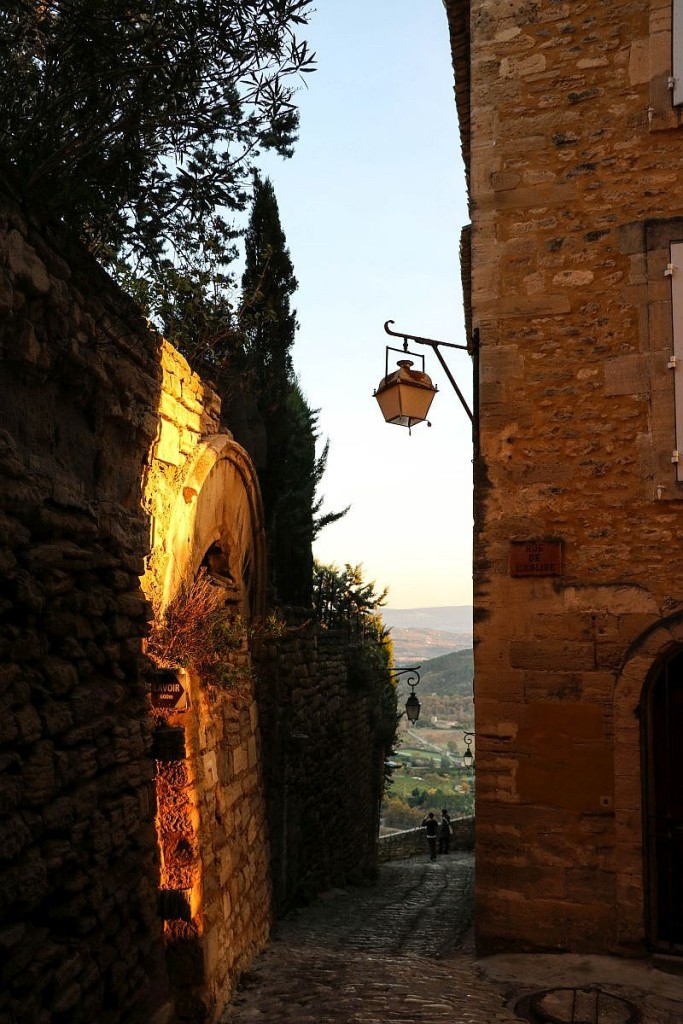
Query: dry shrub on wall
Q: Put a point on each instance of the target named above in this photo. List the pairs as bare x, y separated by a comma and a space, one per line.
198, 630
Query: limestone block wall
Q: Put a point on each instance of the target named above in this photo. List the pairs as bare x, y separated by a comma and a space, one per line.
80, 937
575, 164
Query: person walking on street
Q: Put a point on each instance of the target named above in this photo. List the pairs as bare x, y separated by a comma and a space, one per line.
432, 826
445, 832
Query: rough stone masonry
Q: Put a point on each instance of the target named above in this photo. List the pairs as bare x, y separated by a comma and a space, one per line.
574, 157
105, 434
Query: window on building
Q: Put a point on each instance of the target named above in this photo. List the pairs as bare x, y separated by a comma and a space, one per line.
662, 61
675, 272
677, 51
655, 372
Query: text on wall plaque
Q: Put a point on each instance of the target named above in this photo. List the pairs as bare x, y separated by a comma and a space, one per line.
536, 558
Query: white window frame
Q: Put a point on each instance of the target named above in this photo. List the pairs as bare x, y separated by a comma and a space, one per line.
677, 51
676, 273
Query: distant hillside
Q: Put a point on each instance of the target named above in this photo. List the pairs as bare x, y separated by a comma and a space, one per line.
414, 645
449, 675
422, 633
449, 619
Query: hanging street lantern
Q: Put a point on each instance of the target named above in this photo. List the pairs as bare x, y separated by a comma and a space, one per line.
412, 704
405, 395
468, 756
413, 707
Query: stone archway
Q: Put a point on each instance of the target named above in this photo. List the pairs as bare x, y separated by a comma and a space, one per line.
641, 668
218, 505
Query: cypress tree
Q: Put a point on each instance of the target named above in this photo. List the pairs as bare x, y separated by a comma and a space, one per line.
288, 471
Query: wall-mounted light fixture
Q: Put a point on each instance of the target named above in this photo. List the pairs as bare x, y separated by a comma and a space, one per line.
413, 679
405, 395
468, 756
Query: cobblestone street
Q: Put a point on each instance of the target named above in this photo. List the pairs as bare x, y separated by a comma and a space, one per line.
399, 951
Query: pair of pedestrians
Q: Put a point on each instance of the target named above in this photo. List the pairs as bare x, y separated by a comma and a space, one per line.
438, 830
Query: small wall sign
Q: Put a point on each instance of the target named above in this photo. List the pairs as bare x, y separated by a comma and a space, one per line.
536, 558
167, 691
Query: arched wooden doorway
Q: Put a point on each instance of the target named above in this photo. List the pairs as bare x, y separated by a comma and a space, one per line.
663, 784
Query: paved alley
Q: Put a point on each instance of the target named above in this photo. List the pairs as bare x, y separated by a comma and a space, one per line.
401, 952
395, 952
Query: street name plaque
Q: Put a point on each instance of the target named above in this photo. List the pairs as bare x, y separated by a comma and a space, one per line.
536, 558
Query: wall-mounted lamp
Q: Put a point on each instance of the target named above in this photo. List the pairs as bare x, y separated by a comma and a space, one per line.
468, 756
413, 679
405, 395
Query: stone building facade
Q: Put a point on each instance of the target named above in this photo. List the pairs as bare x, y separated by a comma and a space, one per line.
571, 132
138, 807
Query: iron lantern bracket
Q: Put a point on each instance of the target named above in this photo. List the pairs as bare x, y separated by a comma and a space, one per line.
435, 346
413, 680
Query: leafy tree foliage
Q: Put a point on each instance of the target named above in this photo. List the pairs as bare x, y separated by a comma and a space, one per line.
139, 119
343, 596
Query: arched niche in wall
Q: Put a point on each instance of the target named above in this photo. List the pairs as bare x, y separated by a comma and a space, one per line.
217, 521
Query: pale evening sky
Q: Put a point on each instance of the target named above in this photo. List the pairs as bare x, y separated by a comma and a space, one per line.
372, 204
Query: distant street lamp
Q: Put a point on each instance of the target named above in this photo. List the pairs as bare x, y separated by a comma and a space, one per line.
468, 756
412, 704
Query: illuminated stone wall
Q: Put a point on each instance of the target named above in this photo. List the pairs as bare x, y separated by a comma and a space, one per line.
202, 495
574, 159
114, 468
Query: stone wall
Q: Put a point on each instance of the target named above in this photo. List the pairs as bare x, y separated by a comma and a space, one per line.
324, 755
136, 838
79, 377
413, 843
203, 496
575, 162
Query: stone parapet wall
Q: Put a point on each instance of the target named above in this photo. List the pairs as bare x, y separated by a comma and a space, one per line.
413, 843
80, 937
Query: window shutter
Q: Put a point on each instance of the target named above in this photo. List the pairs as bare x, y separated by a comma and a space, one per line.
677, 50
677, 362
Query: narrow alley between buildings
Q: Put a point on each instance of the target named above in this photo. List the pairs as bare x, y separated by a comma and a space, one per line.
402, 952
398, 951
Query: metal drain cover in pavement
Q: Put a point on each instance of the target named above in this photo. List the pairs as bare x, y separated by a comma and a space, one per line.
577, 1006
